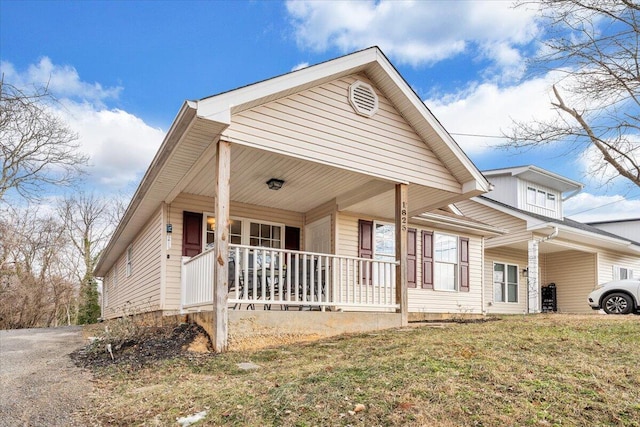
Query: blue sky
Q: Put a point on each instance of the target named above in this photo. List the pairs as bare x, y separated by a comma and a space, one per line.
123, 68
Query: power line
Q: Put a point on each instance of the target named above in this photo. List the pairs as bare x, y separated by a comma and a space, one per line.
477, 135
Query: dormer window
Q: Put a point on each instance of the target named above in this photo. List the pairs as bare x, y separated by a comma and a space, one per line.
541, 198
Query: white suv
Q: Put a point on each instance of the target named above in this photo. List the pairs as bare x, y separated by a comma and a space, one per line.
617, 297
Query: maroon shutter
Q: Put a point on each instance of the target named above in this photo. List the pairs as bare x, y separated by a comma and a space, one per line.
464, 264
191, 233
427, 259
365, 246
411, 257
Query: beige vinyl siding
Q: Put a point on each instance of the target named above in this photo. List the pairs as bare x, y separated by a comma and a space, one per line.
515, 227
424, 300
574, 274
505, 256
320, 123
436, 301
140, 292
202, 204
606, 261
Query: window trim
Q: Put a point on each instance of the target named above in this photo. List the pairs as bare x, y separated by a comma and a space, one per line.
245, 230
456, 268
617, 269
546, 193
373, 249
506, 283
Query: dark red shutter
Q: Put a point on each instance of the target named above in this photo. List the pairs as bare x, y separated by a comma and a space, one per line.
464, 264
365, 246
191, 233
427, 260
411, 258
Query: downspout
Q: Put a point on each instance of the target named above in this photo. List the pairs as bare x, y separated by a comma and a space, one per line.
551, 236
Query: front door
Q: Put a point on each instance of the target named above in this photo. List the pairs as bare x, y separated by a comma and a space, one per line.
191, 234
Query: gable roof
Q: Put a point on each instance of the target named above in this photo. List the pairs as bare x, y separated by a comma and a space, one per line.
540, 176
537, 222
199, 124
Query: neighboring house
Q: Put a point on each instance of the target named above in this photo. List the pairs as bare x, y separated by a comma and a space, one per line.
331, 187
629, 228
541, 247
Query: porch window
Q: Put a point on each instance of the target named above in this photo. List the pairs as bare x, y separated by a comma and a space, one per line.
243, 231
265, 235
445, 257
505, 282
385, 242
621, 273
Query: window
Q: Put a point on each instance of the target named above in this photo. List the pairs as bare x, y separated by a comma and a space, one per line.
505, 282
385, 242
551, 201
541, 198
129, 260
246, 232
445, 257
621, 273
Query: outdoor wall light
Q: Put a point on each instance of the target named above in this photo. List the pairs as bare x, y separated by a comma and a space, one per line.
275, 184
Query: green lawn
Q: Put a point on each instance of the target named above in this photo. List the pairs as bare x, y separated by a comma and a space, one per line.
520, 371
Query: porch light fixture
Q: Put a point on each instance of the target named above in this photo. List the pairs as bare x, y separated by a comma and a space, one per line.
275, 184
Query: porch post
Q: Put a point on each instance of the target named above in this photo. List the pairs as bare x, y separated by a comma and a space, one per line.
533, 290
221, 247
402, 226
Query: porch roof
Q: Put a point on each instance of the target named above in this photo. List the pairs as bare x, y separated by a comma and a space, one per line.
568, 229
188, 147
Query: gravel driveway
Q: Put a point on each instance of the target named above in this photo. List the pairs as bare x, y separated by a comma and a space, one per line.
39, 384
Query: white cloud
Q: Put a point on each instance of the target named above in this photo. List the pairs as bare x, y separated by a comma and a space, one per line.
61, 80
119, 144
488, 109
586, 207
300, 66
418, 32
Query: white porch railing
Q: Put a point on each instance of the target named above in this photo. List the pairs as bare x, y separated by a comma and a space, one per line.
292, 278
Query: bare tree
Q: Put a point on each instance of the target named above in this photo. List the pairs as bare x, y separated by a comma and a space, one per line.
595, 45
36, 147
88, 223
35, 287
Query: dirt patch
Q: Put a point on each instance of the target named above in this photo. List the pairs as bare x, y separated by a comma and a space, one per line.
151, 343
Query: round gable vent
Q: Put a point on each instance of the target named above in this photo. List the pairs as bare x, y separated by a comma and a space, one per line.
363, 99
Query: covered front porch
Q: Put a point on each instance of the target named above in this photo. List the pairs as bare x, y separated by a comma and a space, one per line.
285, 279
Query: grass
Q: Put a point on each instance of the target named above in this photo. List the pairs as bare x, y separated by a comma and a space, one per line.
542, 370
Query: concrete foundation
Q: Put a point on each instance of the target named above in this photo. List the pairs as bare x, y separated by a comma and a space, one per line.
250, 329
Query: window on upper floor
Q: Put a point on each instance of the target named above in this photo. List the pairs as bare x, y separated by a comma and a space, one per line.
541, 198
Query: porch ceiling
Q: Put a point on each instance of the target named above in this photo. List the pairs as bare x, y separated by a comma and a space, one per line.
306, 184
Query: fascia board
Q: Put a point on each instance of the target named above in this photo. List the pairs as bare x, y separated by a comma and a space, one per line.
182, 121
485, 229
479, 182
219, 107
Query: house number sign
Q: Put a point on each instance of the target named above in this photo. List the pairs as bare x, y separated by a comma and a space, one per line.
403, 216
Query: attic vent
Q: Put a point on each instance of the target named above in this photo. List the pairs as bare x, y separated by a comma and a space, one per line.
363, 99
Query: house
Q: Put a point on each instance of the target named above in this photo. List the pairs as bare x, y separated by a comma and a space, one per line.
629, 228
331, 188
541, 247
